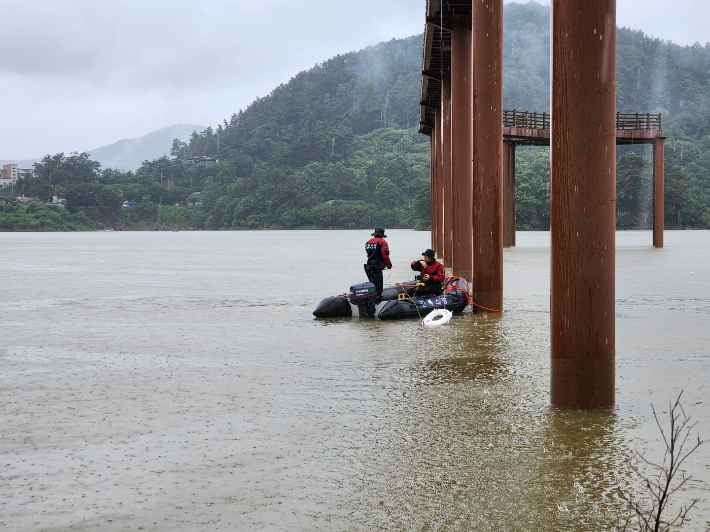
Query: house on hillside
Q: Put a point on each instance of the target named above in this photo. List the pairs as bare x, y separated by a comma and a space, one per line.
194, 161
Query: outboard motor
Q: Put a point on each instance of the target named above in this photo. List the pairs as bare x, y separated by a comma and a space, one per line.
363, 295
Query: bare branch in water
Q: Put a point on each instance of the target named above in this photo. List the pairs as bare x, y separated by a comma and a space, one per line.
651, 510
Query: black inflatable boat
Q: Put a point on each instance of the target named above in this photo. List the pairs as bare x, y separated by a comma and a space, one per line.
396, 302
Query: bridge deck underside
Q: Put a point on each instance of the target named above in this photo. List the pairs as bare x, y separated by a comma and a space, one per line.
541, 137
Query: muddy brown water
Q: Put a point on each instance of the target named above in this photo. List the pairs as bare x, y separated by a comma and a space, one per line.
178, 381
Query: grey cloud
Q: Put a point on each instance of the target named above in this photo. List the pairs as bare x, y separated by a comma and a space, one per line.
184, 44
93, 72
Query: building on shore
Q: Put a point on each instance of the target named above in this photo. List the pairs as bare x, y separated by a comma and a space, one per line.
10, 173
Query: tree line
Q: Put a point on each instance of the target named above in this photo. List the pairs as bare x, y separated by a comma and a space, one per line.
338, 145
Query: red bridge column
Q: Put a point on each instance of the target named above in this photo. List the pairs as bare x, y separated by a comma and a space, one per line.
658, 179
487, 283
461, 94
436, 185
508, 194
432, 185
582, 210
439, 237
448, 233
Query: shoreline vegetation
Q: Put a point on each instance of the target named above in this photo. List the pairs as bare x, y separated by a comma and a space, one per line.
338, 147
37, 217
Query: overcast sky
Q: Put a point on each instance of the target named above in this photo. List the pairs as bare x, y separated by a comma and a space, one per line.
80, 74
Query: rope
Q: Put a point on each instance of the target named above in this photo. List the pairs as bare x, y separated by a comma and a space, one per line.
407, 293
453, 287
485, 308
469, 297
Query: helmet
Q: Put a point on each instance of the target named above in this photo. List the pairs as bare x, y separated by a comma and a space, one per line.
429, 253
380, 232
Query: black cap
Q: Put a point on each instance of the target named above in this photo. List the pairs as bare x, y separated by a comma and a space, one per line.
429, 253
379, 232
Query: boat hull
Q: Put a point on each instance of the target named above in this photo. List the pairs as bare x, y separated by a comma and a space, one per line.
334, 307
400, 302
419, 307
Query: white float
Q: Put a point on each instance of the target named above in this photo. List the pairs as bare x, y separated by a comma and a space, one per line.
437, 317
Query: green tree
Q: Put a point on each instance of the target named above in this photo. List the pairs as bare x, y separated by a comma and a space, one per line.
532, 189
634, 190
93, 195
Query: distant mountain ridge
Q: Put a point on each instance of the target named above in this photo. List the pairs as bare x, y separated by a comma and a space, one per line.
129, 154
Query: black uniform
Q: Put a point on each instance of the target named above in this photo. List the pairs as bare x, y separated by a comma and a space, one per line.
378, 258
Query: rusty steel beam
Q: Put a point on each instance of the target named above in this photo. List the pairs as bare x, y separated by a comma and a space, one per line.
658, 180
447, 251
508, 194
582, 210
461, 143
487, 284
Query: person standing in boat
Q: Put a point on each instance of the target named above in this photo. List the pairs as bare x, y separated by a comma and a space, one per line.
378, 258
432, 273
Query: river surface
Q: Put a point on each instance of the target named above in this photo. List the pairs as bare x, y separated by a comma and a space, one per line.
178, 381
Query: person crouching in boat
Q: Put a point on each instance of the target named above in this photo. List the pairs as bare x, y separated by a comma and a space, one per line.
432, 273
378, 258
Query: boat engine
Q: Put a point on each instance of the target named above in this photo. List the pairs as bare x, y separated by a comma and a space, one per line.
363, 295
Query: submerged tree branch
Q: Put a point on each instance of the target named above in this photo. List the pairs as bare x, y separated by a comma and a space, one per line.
651, 511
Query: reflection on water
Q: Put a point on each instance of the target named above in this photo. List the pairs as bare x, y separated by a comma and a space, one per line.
470, 443
588, 468
485, 339
169, 378
457, 370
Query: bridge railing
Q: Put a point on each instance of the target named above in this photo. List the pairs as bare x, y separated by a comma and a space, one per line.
526, 119
535, 120
638, 121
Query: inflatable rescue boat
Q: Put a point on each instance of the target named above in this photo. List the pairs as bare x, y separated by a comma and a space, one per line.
396, 302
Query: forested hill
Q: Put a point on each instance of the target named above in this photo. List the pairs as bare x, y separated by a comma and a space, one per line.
338, 145
652, 76
344, 132
347, 129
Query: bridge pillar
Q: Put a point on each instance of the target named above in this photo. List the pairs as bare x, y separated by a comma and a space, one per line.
432, 185
461, 142
448, 234
436, 187
508, 194
487, 284
658, 180
582, 210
